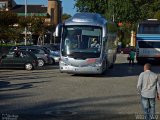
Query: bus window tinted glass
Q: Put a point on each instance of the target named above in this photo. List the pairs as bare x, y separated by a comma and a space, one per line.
148, 44
149, 29
82, 41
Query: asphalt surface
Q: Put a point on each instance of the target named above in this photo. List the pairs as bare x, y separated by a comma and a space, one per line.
47, 94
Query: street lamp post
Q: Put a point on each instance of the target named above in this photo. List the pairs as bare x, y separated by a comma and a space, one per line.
25, 26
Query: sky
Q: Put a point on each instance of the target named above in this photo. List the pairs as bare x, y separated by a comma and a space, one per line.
68, 5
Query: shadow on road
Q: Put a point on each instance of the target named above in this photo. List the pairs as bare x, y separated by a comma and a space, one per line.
94, 108
124, 70
7, 86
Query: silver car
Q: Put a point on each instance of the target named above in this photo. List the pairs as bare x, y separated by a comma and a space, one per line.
54, 52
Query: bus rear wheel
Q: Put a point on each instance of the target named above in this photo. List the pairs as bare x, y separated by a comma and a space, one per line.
140, 62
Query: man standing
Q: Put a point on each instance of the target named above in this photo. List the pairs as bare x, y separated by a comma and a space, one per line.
148, 87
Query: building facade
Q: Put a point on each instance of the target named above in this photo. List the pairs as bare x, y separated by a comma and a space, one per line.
52, 12
6, 5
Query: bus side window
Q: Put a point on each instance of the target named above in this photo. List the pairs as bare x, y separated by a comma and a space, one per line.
146, 30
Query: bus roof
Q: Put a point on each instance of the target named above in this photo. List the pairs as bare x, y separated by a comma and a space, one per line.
150, 21
86, 19
153, 19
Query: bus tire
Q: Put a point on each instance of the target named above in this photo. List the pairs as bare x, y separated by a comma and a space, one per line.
140, 62
111, 66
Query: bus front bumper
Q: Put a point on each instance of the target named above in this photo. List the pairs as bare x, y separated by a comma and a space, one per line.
81, 70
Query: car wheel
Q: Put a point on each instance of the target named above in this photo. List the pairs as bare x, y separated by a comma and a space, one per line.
40, 62
28, 66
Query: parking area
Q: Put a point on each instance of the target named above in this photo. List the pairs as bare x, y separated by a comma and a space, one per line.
45, 93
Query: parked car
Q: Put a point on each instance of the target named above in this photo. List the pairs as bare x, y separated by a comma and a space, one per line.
126, 50
53, 48
24, 60
54, 52
41, 54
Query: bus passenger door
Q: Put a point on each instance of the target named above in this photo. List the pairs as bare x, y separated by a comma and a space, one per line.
105, 52
109, 52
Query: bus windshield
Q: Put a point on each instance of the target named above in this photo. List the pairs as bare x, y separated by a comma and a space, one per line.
149, 28
82, 41
149, 44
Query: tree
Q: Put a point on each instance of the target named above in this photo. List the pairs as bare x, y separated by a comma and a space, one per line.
127, 12
148, 9
15, 34
33, 24
37, 28
156, 8
7, 19
130, 11
98, 6
24, 21
157, 15
65, 16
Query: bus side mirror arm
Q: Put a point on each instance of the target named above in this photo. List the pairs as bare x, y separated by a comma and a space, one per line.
58, 30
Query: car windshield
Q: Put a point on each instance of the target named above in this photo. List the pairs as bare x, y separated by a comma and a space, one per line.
82, 41
56, 46
53, 47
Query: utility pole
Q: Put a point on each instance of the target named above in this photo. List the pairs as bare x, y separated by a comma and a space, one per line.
25, 26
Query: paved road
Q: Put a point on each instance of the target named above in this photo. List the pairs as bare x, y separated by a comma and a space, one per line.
47, 94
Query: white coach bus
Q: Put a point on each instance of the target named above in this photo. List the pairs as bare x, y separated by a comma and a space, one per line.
148, 41
88, 44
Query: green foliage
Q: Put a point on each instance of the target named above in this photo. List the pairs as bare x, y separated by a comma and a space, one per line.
24, 21
123, 11
34, 24
65, 16
128, 12
147, 9
7, 18
157, 15
98, 6
8, 32
15, 34
37, 25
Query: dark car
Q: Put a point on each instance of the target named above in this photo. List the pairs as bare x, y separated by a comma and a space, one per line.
19, 59
41, 54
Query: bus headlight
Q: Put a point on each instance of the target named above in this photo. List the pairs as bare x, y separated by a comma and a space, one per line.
98, 64
63, 63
